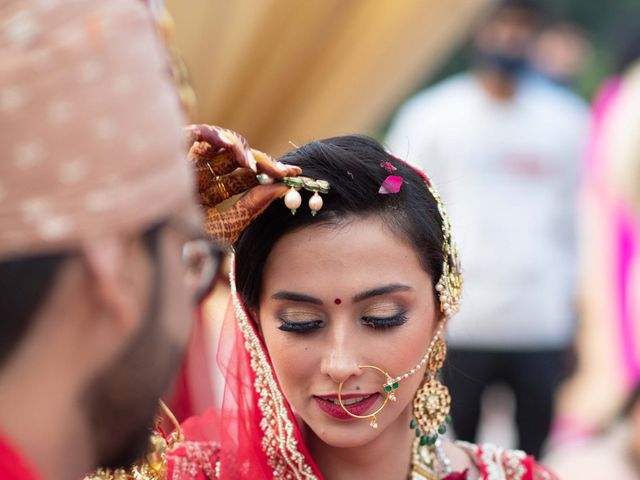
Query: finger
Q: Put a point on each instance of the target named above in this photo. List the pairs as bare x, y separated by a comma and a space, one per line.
214, 190
191, 135
214, 161
293, 170
211, 134
268, 165
226, 227
230, 140
222, 138
274, 169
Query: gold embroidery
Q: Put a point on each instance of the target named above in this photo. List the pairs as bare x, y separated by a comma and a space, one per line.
279, 442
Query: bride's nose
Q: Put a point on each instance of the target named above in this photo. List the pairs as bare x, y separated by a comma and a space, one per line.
339, 360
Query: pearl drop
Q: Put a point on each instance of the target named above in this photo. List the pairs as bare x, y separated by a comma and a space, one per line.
315, 203
439, 287
293, 200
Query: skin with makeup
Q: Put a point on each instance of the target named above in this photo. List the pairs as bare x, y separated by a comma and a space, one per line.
336, 333
384, 318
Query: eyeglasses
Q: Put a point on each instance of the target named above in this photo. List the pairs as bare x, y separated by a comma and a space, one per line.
201, 259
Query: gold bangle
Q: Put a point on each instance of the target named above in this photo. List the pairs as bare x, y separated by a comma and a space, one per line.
220, 188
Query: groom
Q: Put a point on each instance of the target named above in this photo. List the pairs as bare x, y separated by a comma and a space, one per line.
97, 205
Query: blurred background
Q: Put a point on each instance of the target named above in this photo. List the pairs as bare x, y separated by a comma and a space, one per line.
281, 71
285, 72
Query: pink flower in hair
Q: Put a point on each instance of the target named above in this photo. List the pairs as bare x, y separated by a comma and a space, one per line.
391, 184
388, 166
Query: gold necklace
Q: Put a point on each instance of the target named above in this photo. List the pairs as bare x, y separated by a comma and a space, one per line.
153, 466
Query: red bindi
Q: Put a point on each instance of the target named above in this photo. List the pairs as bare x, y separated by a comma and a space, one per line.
337, 301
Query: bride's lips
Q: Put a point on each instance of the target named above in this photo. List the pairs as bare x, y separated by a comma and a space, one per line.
329, 404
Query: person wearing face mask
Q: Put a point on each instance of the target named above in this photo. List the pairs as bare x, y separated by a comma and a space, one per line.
505, 146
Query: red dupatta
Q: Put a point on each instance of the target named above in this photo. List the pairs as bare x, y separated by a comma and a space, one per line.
253, 433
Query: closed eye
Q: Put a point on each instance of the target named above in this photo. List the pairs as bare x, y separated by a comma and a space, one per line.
385, 322
300, 327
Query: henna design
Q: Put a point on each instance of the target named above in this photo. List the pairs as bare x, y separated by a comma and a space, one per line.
226, 227
214, 190
218, 162
222, 139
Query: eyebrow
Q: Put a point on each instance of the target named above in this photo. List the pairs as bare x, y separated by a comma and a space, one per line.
376, 292
296, 297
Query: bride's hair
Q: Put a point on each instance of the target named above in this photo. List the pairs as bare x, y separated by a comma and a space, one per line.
355, 168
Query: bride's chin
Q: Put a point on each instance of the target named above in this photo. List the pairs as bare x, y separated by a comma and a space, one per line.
345, 435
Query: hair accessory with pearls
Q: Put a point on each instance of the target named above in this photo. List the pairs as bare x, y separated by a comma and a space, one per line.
293, 199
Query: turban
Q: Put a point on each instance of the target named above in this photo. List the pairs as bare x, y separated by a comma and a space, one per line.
90, 124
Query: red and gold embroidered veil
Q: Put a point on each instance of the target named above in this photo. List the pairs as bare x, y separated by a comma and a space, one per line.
253, 433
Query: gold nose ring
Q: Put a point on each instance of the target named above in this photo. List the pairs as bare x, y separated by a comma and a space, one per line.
389, 387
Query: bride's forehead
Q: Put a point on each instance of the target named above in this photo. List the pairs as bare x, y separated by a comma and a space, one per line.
364, 246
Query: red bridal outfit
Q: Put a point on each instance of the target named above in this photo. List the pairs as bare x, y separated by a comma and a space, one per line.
253, 434
12, 465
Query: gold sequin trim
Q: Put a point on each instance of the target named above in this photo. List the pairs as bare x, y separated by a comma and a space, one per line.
279, 442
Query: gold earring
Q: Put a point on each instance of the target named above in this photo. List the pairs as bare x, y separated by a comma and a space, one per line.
432, 402
389, 387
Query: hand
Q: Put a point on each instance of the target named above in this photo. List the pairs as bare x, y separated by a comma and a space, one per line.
226, 166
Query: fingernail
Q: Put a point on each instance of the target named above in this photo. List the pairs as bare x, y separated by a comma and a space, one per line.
282, 167
253, 165
225, 137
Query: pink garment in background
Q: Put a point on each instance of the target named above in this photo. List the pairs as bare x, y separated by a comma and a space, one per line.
625, 235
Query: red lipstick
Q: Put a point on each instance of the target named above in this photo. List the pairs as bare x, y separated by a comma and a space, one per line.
329, 404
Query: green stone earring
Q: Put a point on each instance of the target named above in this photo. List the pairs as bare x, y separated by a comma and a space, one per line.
432, 403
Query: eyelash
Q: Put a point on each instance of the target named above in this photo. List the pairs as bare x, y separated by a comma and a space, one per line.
379, 323
384, 323
300, 327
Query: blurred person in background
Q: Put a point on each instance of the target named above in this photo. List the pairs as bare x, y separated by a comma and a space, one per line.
505, 147
560, 53
613, 453
102, 251
609, 342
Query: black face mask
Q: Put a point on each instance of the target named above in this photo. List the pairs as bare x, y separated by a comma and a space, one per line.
504, 64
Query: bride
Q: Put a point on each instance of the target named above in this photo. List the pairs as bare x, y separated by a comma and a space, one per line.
341, 297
